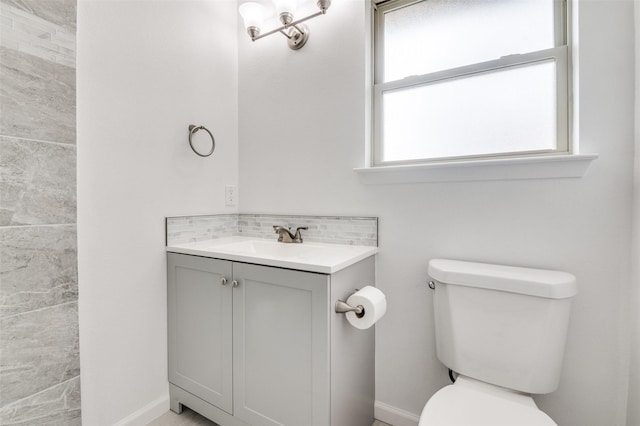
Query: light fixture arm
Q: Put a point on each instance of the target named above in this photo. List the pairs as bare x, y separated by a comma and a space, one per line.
283, 32
296, 33
282, 28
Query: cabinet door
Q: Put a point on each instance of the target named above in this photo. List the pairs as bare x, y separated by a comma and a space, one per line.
200, 326
281, 346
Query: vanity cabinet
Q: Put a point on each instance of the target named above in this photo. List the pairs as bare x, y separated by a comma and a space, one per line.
200, 328
260, 345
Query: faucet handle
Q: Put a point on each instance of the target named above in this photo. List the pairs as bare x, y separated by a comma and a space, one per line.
285, 235
298, 237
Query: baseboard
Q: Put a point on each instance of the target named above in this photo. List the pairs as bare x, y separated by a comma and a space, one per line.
146, 414
383, 412
394, 416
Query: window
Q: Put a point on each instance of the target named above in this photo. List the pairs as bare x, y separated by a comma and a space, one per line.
464, 79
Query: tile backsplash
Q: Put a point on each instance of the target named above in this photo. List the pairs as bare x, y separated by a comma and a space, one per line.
188, 229
325, 229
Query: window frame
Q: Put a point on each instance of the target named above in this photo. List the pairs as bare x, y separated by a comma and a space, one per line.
560, 54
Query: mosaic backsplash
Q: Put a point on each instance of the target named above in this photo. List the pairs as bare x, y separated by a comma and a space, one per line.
323, 229
189, 229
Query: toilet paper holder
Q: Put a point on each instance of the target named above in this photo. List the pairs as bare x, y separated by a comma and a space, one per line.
343, 307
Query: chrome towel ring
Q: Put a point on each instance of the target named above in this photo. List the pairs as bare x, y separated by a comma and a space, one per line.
193, 129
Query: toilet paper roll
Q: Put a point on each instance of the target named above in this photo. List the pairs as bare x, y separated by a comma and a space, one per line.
374, 303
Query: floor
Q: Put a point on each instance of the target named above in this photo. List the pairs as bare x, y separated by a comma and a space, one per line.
191, 418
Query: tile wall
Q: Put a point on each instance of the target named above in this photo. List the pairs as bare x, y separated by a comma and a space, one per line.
188, 229
39, 355
348, 230
362, 231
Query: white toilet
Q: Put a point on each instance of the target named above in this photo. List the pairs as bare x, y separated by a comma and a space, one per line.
502, 329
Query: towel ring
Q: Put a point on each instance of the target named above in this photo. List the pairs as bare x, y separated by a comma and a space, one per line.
193, 129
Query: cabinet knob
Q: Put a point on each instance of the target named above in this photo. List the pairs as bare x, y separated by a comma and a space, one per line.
223, 281
234, 283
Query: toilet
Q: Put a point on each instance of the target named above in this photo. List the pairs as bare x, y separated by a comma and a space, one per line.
502, 330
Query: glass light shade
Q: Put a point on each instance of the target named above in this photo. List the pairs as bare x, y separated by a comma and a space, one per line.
252, 14
285, 6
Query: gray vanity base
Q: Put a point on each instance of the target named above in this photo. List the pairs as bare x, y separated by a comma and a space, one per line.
294, 361
180, 397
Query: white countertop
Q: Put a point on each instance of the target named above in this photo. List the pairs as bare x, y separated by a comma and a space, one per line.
308, 256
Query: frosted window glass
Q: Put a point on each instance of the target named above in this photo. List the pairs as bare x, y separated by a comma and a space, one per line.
435, 35
507, 111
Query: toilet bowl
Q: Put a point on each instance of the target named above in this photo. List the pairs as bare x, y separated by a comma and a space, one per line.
502, 329
469, 402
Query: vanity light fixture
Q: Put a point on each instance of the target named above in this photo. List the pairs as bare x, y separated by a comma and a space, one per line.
296, 32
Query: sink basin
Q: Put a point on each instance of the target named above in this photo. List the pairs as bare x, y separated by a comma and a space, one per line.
308, 256
267, 248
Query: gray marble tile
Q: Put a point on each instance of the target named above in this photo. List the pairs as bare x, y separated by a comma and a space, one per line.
325, 229
37, 100
56, 406
60, 12
38, 267
186, 229
28, 33
39, 350
37, 182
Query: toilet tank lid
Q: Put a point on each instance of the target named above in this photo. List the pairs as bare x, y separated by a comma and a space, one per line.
535, 282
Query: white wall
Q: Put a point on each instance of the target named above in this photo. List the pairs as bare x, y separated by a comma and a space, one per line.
146, 69
301, 132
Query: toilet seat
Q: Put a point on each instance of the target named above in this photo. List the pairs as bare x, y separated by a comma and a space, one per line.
469, 402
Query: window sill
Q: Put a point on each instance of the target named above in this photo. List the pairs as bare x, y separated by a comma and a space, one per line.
547, 167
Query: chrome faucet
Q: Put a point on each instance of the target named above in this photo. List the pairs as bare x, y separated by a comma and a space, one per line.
285, 235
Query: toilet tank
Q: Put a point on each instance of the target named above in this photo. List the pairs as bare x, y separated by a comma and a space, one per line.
502, 325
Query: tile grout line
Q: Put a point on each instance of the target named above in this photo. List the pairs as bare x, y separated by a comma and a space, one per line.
18, 138
9, 405
39, 309
42, 225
